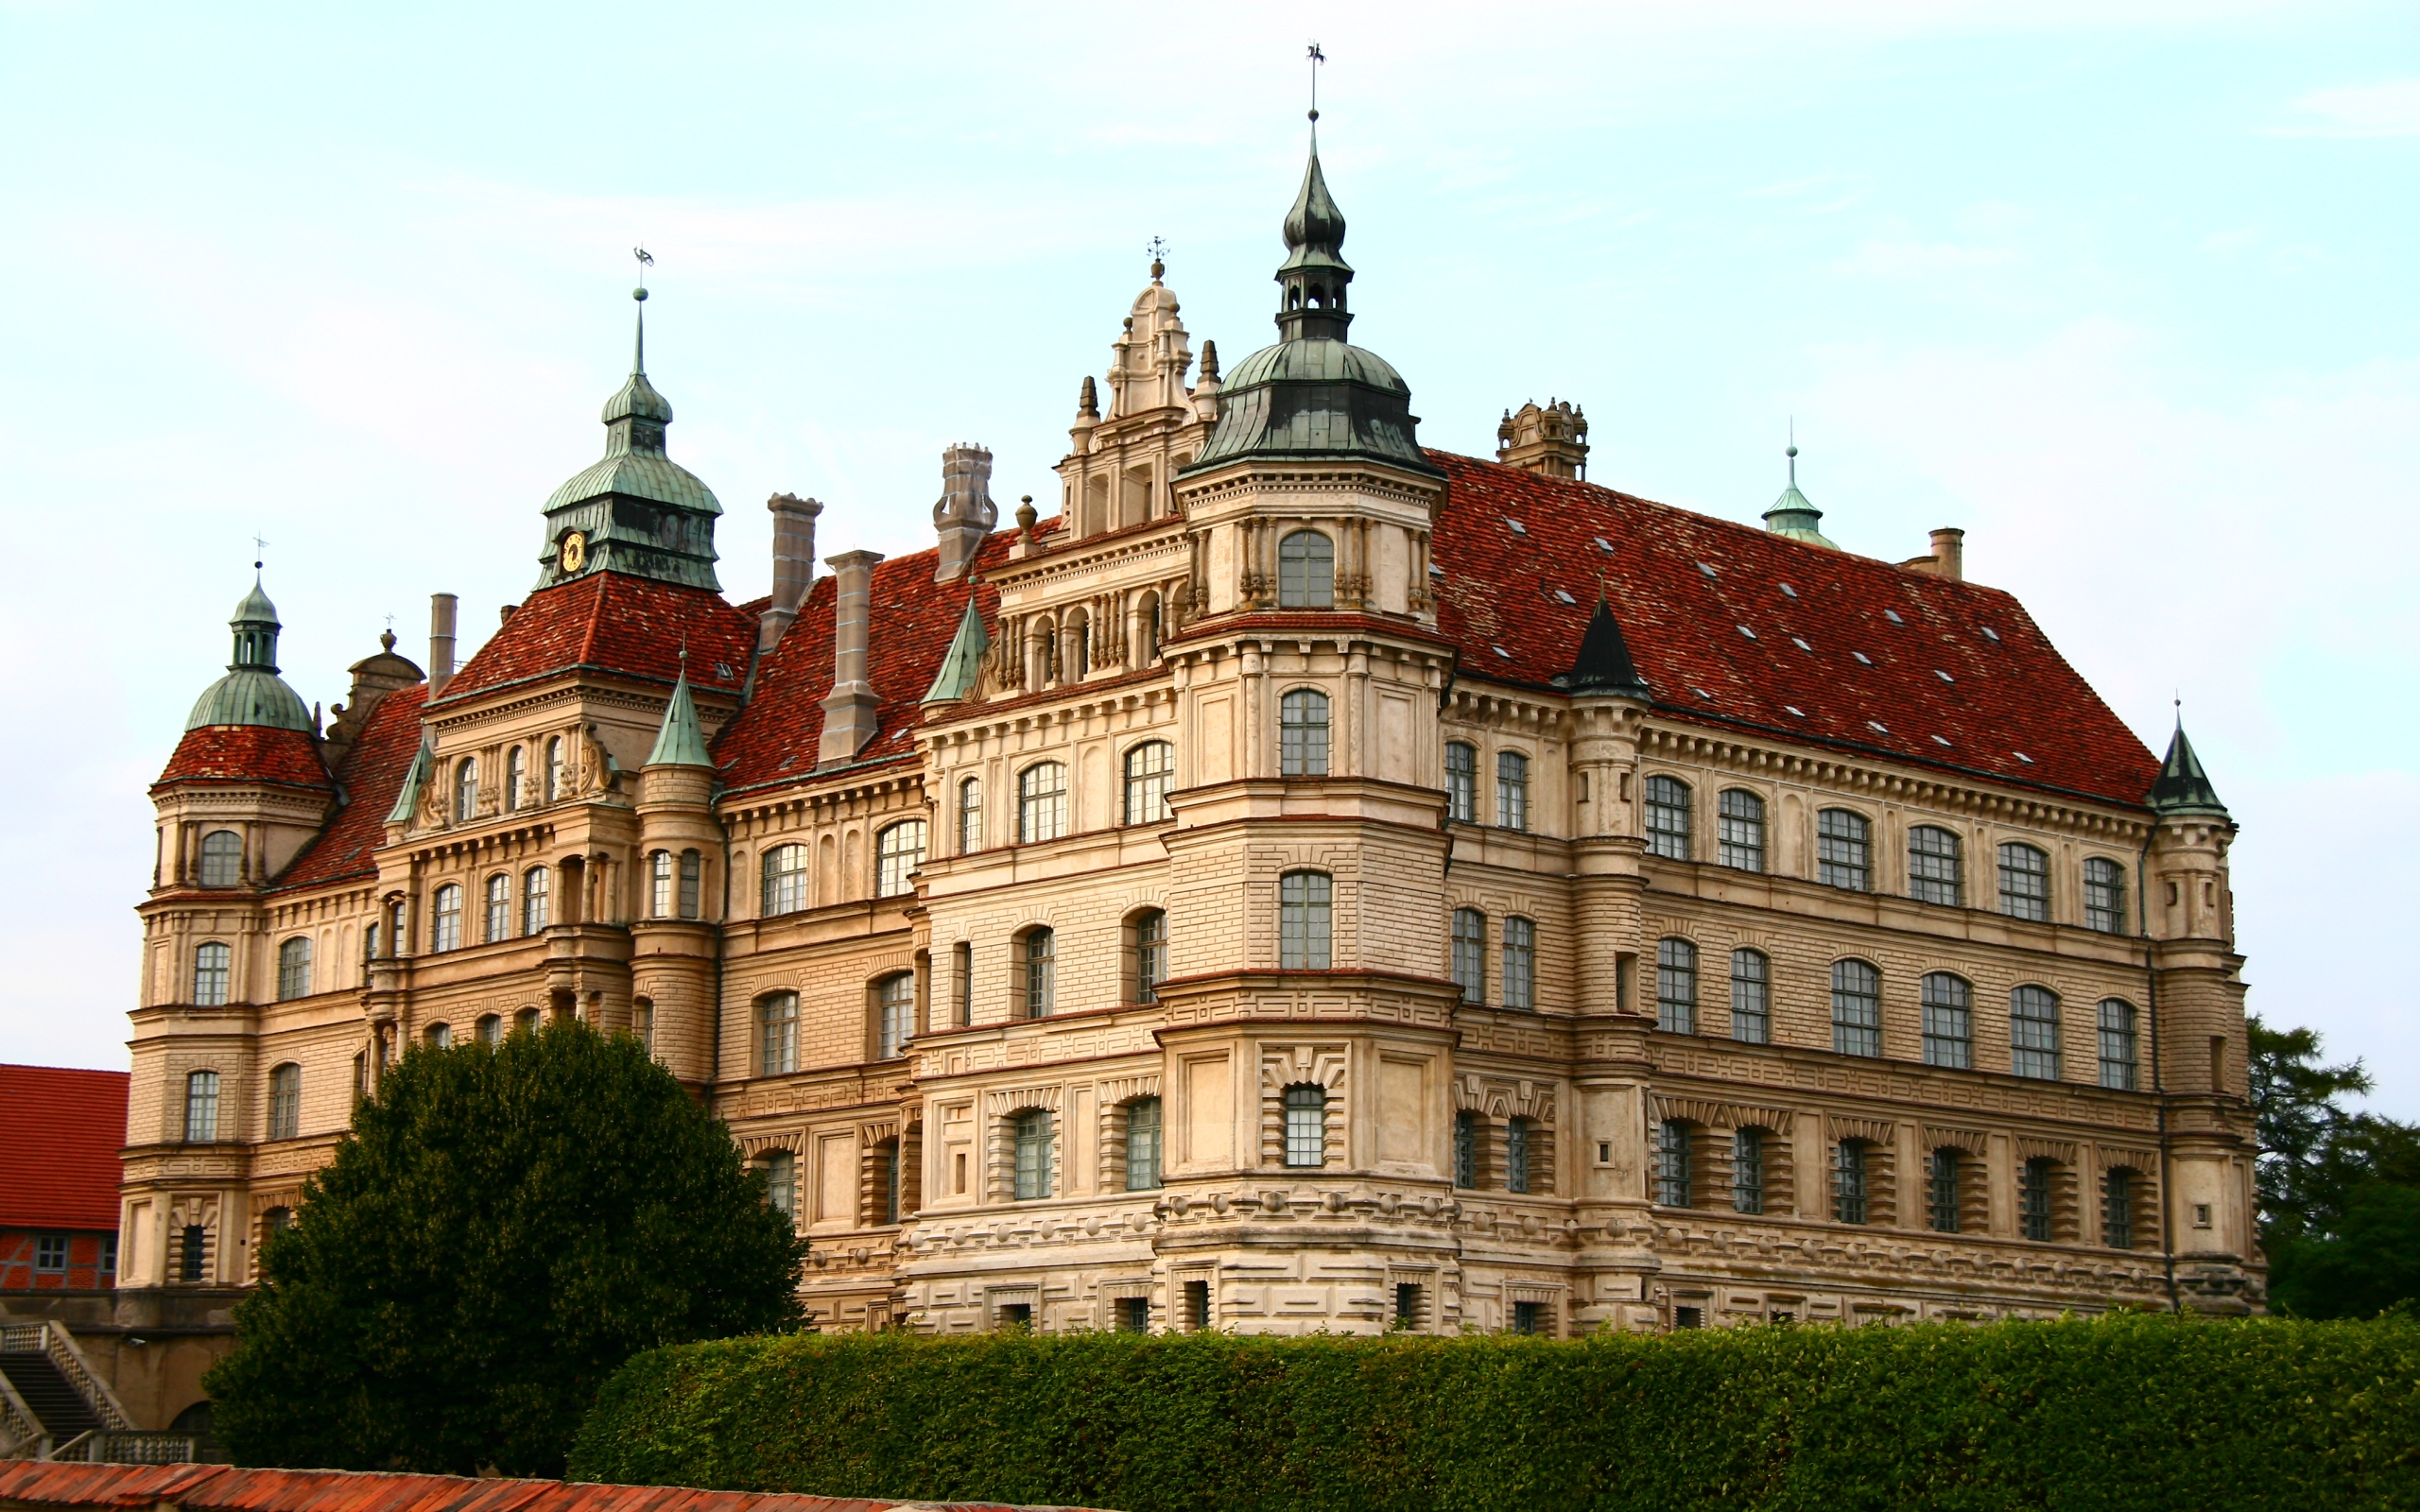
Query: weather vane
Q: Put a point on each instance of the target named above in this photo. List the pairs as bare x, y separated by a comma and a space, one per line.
646, 260
260, 550
1317, 58
1159, 250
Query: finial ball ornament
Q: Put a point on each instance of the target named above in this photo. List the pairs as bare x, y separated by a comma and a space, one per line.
639, 293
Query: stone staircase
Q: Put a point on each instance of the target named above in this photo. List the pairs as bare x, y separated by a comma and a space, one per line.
53, 1407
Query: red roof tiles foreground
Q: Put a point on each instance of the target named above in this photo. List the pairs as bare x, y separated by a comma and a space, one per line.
1737, 627
224, 1488
612, 622
371, 775
60, 1134
247, 754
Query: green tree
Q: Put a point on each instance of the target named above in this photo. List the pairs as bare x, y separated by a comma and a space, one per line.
2339, 1189
501, 1230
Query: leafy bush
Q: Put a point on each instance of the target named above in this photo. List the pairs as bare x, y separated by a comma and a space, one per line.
2124, 1413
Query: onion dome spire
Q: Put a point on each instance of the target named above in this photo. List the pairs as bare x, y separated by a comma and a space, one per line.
2183, 789
1791, 515
251, 692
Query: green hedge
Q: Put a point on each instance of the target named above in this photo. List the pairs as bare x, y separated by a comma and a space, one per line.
2132, 1413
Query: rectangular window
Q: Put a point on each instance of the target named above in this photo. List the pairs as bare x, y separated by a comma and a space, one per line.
2118, 1210
1305, 1112
108, 1259
1407, 1305
1688, 1317
2118, 1070
1752, 1019
286, 1102
1031, 1139
778, 1054
1041, 972
1943, 1190
2104, 896
781, 1183
1135, 1315
1143, 1144
1512, 790
962, 982
1016, 1317
2033, 1199
1676, 986
970, 816
1528, 1317
1672, 1164
1667, 818
1042, 802
211, 965
193, 1253
1467, 1150
1305, 910
1520, 964
1150, 954
1948, 1021
894, 1012
1197, 1305
692, 867
2025, 882
1302, 720
2034, 1033
1857, 1009
202, 1106
1470, 953
1516, 1155
1848, 1182
50, 1254
1462, 782
1739, 830
1748, 1171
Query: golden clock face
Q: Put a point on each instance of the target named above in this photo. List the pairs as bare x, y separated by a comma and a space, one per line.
574, 552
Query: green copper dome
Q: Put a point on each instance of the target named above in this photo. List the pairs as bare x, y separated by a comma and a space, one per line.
1793, 515
251, 692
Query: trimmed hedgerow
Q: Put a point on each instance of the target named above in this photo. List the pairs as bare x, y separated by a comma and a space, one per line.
2122, 1413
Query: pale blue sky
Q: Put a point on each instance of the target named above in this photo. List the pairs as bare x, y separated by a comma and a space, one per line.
2125, 289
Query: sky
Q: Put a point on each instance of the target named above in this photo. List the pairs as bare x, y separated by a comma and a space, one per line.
2123, 289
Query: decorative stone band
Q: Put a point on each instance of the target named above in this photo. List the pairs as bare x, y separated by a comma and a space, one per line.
1728, 1116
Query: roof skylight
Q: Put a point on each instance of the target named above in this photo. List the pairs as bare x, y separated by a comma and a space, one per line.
1990, 632
1566, 598
2021, 756
1518, 529
1748, 633
1702, 693
1862, 657
1877, 725
1704, 568
1500, 651
1943, 675
1791, 591
1604, 545
1801, 645
1938, 741
1794, 708
1892, 615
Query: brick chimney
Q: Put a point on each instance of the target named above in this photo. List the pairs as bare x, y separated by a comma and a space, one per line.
965, 514
441, 642
851, 711
1553, 443
794, 564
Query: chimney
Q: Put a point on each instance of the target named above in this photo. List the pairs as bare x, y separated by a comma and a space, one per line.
1949, 554
851, 709
1553, 443
965, 514
441, 642
794, 564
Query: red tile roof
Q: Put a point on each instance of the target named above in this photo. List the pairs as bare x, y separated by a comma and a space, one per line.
1962, 679
60, 1134
247, 754
371, 775
226, 1489
612, 622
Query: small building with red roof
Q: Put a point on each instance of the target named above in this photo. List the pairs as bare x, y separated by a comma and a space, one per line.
60, 1130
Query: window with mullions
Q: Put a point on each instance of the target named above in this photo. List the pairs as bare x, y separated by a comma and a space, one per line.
1042, 802
898, 852
516, 780
2118, 1066
1751, 1013
50, 1254
886, 1178
202, 1106
1305, 1124
1520, 976
1470, 953
1843, 850
2034, 1033
1739, 830
1306, 916
286, 1102
1305, 570
446, 919
533, 900
1030, 1141
1676, 986
1039, 948
781, 1183
1949, 1006
1942, 1190
2104, 896
1672, 1164
970, 815
558, 770
222, 859
1857, 1009
777, 1034
1849, 1181
961, 972
466, 790
1151, 774
1748, 1171
785, 880
659, 884
1462, 782
211, 965
499, 908
1932, 867
2117, 1209
1512, 790
1302, 734
1143, 1144
2033, 1199
294, 968
894, 1007
1466, 1130
2025, 882
1516, 1153
1150, 953
1667, 818
693, 871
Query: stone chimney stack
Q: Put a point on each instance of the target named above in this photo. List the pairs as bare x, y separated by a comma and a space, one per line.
1949, 554
1553, 443
965, 514
851, 711
441, 642
794, 564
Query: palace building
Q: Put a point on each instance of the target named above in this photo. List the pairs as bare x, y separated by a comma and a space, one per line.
1306, 881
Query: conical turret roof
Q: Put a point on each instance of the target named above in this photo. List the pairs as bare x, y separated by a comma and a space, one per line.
2183, 789
681, 742
1603, 664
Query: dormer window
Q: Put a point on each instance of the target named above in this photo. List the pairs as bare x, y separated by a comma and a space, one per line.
1307, 570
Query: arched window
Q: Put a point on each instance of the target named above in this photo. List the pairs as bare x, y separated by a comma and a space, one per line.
525, 1022
1849, 1181
1516, 1153
1856, 1010
466, 790
1150, 772
894, 1007
1305, 1124
1148, 618
1039, 948
1305, 570
1470, 953
558, 776
781, 1183
961, 971
692, 869
643, 1022
2033, 1199
222, 859
2025, 882
1512, 790
516, 778
533, 899
1029, 1136
445, 918
659, 884
285, 1101
499, 908
1676, 986
440, 1035
1673, 1172
970, 815
785, 872
1042, 802
1943, 1186
1306, 915
1467, 1150
1932, 867
1150, 935
1302, 734
1143, 1144
294, 968
211, 963
777, 1034
2104, 896
491, 1029
2118, 1070
1843, 850
1948, 1021
1520, 976
1080, 647
1752, 1010
1748, 1170
1462, 782
1739, 830
1668, 817
2034, 1033
898, 853
2117, 1208
202, 1106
